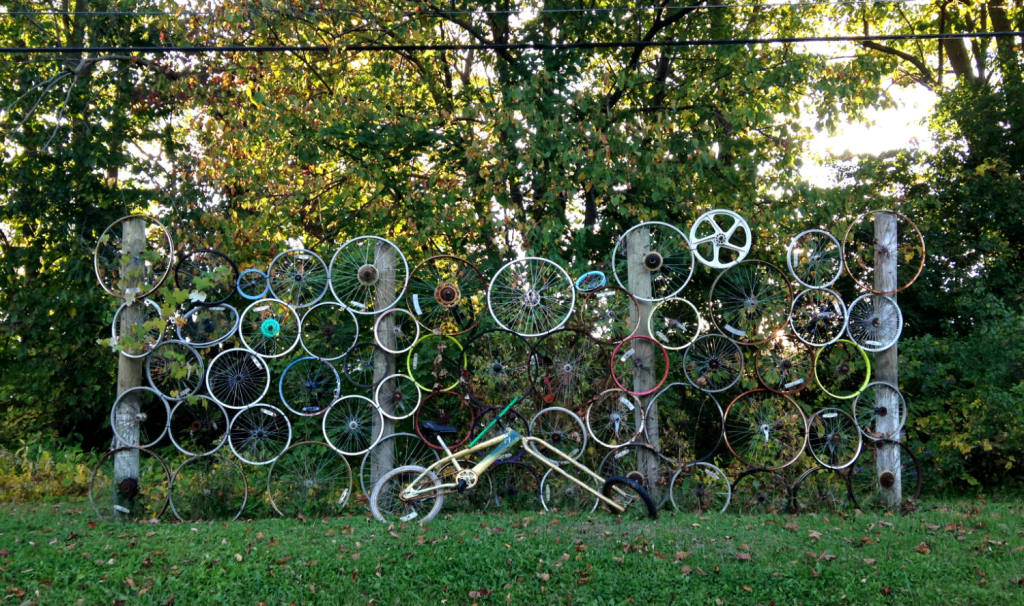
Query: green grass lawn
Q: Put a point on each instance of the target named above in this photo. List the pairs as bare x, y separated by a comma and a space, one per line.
957, 553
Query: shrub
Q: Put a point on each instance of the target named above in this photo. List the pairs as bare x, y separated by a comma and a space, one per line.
41, 469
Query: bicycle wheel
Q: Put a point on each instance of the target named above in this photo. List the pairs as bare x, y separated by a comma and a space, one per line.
252, 284
818, 317
700, 487
391, 451
690, 422
259, 433
133, 257
820, 489
368, 275
207, 325
129, 484
352, 425
815, 258
497, 365
875, 322
357, 366
784, 365
864, 248
880, 411
868, 485
628, 493
308, 386
396, 330
562, 429
833, 438
639, 365
761, 491
567, 368
591, 280
560, 494
208, 275
447, 409
531, 296
436, 363
446, 295
137, 329
842, 370
309, 480
175, 370
614, 418
750, 301
675, 323
207, 488
237, 378
297, 277
716, 246
764, 429
198, 426
608, 314
139, 417
397, 396
713, 363
269, 328
644, 465
661, 259
516, 486
386, 503
510, 421
328, 331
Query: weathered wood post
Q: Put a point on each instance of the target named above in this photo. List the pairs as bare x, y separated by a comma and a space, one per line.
887, 460
383, 459
638, 277
129, 370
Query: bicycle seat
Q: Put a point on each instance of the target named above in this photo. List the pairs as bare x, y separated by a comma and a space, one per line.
438, 428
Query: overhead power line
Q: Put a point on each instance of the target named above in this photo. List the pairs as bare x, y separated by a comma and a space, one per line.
361, 48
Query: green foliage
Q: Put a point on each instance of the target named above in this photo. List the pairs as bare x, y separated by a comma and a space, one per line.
42, 468
968, 394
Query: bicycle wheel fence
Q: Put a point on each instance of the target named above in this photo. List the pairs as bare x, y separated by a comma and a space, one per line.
289, 388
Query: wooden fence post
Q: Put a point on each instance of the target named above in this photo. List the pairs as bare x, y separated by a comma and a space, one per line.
129, 370
382, 460
639, 281
887, 460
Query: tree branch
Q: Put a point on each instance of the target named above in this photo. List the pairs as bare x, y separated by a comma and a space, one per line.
925, 76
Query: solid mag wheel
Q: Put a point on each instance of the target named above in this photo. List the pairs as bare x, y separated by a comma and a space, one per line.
629, 494
717, 246
386, 503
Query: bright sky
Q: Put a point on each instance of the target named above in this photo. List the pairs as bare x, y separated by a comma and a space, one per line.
900, 127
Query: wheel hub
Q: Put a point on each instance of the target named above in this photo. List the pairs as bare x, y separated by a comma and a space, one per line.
367, 275
447, 294
653, 261
270, 328
531, 298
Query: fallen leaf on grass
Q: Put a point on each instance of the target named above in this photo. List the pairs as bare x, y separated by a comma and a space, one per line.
686, 569
747, 588
682, 555
544, 577
791, 526
744, 557
814, 534
869, 561
923, 548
